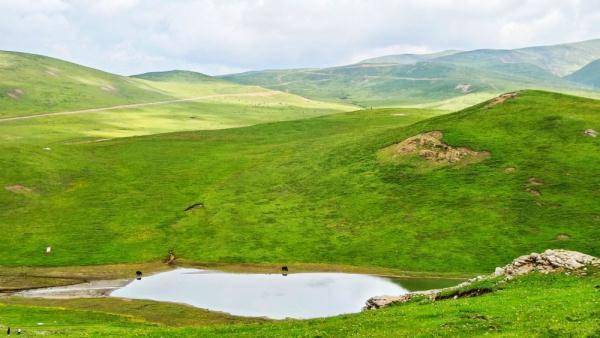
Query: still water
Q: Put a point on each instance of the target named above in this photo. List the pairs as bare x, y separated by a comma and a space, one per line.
298, 295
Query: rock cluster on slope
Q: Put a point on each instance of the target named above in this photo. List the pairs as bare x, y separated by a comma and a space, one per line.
430, 147
546, 262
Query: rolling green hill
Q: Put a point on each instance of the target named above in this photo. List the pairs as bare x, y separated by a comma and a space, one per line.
407, 79
588, 75
559, 60
33, 84
408, 59
176, 76
317, 190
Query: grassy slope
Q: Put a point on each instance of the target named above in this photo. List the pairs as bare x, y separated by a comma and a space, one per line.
588, 75
408, 59
379, 84
50, 85
402, 80
552, 305
40, 84
560, 60
313, 191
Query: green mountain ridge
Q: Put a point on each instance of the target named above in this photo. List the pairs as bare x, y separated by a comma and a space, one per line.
588, 75
175, 75
408, 59
429, 78
32, 83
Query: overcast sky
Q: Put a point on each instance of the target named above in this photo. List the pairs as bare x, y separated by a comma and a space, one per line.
223, 36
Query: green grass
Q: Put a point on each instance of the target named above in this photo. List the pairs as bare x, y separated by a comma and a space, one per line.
33, 84
312, 191
535, 305
432, 79
147, 120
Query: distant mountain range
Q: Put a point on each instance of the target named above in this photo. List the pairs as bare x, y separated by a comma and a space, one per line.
408, 79
588, 75
449, 80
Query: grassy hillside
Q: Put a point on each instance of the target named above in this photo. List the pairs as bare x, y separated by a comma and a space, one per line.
535, 305
33, 84
409, 59
313, 191
408, 80
390, 84
559, 60
588, 75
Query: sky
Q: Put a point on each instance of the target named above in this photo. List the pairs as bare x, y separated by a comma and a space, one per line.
227, 36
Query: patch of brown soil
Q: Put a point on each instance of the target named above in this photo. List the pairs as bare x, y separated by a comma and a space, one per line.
562, 237
501, 99
510, 170
18, 189
15, 93
534, 181
430, 147
108, 88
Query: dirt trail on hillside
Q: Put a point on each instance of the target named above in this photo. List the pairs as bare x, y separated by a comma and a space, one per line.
136, 105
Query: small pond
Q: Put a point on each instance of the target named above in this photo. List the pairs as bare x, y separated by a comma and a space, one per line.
297, 295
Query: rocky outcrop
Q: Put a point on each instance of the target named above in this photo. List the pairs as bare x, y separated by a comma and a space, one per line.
501, 99
546, 262
430, 146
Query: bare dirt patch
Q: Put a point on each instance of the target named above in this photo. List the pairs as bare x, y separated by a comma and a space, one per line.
562, 237
19, 189
15, 93
108, 88
510, 170
533, 182
429, 146
501, 99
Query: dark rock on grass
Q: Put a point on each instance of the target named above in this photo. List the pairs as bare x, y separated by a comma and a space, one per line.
194, 206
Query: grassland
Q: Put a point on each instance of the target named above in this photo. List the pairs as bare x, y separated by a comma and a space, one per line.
409, 80
33, 84
535, 305
312, 191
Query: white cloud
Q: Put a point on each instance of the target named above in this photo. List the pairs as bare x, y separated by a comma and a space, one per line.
214, 36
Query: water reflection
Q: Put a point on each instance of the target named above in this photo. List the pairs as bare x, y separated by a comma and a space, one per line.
298, 295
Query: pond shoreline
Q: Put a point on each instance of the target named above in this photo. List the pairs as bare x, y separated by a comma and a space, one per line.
20, 279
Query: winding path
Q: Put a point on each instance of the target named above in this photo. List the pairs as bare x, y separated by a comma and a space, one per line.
134, 105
